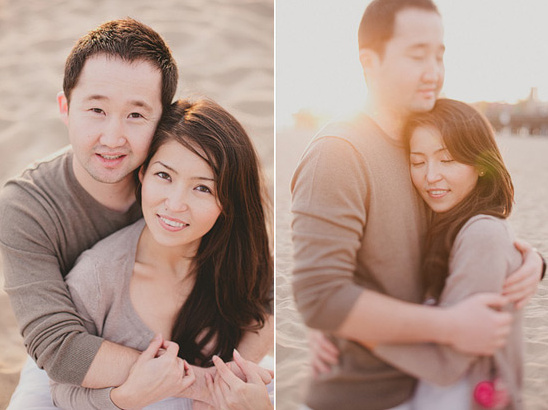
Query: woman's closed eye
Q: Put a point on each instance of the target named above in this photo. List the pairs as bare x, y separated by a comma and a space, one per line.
417, 163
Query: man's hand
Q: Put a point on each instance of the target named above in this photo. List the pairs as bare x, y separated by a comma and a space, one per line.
154, 376
324, 353
522, 284
476, 327
229, 392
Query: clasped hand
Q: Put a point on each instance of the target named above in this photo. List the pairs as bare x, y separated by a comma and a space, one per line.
157, 374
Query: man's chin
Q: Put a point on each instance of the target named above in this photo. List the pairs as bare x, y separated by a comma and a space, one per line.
423, 106
109, 177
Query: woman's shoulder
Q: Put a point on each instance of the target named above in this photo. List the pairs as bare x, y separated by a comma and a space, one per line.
487, 226
119, 242
487, 236
114, 250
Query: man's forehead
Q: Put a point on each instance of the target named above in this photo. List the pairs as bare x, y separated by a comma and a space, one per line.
418, 26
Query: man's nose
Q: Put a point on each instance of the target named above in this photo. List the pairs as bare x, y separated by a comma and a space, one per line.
114, 134
433, 71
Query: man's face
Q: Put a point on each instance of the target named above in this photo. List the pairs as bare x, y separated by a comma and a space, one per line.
113, 113
410, 74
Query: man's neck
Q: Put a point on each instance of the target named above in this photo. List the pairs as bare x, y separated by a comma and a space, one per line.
119, 196
389, 120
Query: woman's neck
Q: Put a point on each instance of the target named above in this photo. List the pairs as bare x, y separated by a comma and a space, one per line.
161, 282
173, 261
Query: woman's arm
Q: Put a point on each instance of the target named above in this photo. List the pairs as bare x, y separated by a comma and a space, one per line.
482, 256
254, 346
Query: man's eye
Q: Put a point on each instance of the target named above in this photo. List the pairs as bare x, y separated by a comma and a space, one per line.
135, 115
97, 110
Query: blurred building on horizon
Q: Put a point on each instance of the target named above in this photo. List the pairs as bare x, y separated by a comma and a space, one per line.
526, 117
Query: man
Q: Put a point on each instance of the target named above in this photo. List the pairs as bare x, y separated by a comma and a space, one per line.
359, 226
118, 80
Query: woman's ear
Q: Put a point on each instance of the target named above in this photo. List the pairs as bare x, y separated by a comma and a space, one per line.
63, 106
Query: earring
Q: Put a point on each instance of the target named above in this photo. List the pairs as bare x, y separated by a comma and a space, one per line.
482, 173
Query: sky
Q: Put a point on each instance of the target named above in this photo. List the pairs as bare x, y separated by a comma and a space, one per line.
496, 50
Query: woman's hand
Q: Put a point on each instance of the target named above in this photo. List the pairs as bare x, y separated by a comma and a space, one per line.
154, 376
231, 393
521, 285
266, 375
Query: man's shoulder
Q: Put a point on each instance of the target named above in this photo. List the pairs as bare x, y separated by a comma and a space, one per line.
48, 165
50, 171
359, 132
27, 200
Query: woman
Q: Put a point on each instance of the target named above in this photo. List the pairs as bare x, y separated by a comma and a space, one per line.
196, 270
457, 169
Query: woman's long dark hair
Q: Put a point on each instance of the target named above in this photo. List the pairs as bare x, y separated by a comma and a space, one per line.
470, 140
233, 267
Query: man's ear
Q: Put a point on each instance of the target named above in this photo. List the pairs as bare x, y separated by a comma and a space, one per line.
368, 58
63, 106
141, 174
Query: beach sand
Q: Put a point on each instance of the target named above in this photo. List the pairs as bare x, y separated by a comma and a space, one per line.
526, 158
224, 50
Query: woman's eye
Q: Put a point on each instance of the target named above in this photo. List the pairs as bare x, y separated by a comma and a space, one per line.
163, 175
446, 161
135, 115
97, 110
203, 188
417, 163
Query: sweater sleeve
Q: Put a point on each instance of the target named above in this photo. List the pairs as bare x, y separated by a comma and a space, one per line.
92, 304
71, 397
480, 261
328, 203
53, 332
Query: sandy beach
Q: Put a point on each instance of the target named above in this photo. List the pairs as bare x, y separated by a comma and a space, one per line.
526, 160
224, 50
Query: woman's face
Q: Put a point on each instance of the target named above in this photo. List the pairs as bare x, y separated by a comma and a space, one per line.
440, 180
179, 199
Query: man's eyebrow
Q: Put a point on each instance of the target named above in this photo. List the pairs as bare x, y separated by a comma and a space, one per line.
422, 46
133, 103
96, 97
140, 103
